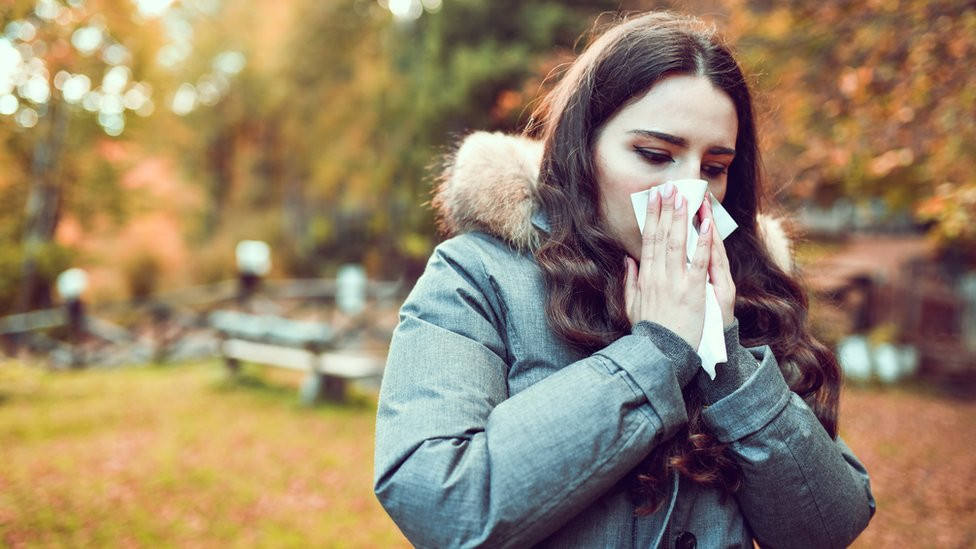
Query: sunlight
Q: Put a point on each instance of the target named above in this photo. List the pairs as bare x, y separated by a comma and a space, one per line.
75, 88
406, 10
136, 97
36, 89
49, 10
115, 54
185, 100
432, 6
112, 123
115, 79
27, 118
229, 62
91, 101
86, 40
153, 8
8, 104
11, 64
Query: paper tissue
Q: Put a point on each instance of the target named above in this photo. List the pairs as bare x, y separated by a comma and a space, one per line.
711, 350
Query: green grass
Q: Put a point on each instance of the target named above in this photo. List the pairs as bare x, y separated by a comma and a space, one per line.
182, 456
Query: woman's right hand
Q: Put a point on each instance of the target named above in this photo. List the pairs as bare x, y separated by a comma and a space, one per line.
665, 289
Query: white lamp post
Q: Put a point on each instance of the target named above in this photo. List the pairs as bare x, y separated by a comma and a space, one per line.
253, 263
70, 285
351, 284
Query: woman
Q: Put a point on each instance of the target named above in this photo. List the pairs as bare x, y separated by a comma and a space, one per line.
543, 385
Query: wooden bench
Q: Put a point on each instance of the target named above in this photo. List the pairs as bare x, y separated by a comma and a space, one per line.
304, 346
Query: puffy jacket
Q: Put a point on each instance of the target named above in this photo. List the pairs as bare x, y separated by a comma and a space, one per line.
491, 431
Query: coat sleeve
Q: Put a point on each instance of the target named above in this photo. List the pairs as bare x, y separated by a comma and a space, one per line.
801, 489
460, 462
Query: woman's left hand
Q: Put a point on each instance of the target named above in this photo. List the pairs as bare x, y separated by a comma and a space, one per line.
719, 272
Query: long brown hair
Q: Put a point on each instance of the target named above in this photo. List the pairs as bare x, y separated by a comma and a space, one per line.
582, 263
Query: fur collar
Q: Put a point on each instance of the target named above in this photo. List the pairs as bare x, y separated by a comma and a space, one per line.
489, 184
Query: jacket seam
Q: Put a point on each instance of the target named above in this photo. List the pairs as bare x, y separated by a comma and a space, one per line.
762, 417
501, 315
783, 436
643, 398
643, 403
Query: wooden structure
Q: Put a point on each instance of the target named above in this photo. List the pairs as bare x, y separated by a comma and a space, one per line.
310, 347
896, 281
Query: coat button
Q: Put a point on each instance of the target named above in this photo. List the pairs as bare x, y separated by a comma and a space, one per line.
685, 540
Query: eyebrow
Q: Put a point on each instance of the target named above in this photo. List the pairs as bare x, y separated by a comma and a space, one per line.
680, 141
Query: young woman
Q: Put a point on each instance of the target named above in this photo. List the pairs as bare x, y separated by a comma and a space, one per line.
543, 386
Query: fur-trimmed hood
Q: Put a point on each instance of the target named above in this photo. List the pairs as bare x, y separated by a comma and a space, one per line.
489, 185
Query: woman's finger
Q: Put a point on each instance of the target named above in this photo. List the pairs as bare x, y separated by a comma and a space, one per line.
630, 289
719, 263
705, 210
664, 227
721, 274
677, 255
651, 221
700, 261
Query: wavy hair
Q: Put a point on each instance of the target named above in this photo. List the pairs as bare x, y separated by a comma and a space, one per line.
582, 262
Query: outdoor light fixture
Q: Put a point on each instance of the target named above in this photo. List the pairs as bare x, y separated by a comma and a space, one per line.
351, 284
71, 284
253, 263
253, 257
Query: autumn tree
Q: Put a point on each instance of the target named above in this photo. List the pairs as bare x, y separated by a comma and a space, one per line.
339, 115
68, 75
384, 93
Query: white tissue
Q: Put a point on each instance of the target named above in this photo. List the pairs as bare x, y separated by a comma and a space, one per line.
711, 350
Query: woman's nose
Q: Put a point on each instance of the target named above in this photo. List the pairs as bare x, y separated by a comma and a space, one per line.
686, 169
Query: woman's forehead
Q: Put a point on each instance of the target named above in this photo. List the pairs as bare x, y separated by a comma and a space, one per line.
690, 107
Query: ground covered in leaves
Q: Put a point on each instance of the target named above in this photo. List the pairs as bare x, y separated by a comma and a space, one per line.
183, 456
919, 445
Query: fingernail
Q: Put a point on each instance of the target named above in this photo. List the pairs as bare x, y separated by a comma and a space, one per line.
668, 189
654, 192
678, 201
705, 225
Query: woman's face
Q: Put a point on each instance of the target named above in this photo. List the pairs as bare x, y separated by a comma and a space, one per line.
682, 128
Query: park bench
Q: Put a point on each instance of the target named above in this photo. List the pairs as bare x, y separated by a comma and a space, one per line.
310, 347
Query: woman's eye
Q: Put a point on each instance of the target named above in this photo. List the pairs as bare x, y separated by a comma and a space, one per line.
714, 171
654, 157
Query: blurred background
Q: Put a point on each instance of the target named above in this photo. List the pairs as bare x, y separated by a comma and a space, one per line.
192, 191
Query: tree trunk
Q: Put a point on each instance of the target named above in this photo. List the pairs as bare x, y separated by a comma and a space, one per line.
220, 153
43, 205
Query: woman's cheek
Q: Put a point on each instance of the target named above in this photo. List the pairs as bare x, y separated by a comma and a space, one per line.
718, 190
636, 179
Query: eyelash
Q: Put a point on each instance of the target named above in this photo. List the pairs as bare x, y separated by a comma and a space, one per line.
653, 157
656, 158
715, 171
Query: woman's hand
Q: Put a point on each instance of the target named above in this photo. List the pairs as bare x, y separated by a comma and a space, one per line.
666, 289
719, 272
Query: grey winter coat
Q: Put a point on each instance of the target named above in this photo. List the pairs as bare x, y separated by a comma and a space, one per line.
492, 432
